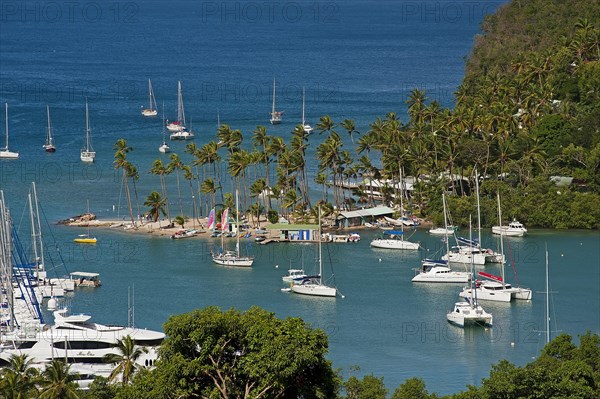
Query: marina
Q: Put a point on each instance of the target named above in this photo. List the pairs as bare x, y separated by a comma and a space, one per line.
365, 298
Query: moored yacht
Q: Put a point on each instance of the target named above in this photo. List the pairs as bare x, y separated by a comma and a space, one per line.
514, 229
437, 271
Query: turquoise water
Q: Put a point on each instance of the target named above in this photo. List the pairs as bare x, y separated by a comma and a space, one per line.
357, 59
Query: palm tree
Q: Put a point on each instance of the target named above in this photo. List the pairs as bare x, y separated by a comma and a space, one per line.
175, 166
180, 220
158, 168
18, 378
126, 359
209, 187
157, 205
261, 140
350, 127
120, 162
58, 381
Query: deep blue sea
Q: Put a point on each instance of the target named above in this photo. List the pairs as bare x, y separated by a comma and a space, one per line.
357, 59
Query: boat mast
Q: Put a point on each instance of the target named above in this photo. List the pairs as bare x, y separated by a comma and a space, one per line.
547, 301
320, 253
501, 240
87, 127
180, 111
473, 285
150, 94
49, 141
6, 117
478, 209
401, 202
446, 224
273, 109
33, 237
303, 108
237, 226
39, 226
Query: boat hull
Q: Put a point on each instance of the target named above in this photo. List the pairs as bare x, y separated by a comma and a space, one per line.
85, 240
5, 154
442, 275
233, 261
394, 244
508, 231
149, 112
314, 290
181, 135
466, 315
87, 156
487, 295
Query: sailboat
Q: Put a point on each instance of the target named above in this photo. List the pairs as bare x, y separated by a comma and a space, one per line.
164, 148
313, 285
469, 312
276, 116
231, 258
494, 288
396, 237
152, 110
86, 238
49, 146
307, 128
178, 127
437, 271
87, 153
5, 152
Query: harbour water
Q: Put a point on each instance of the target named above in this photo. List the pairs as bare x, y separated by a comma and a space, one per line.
357, 59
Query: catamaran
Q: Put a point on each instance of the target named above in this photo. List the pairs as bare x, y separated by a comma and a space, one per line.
231, 258
5, 152
178, 128
49, 146
152, 109
469, 312
87, 153
437, 271
313, 285
305, 126
276, 116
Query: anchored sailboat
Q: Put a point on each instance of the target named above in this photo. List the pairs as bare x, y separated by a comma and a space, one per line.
164, 148
276, 116
49, 146
152, 110
87, 153
231, 258
313, 285
5, 152
86, 238
307, 128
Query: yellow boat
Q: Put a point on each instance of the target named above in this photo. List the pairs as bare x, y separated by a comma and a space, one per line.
85, 240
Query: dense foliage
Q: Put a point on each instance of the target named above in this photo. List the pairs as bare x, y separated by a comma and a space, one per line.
527, 113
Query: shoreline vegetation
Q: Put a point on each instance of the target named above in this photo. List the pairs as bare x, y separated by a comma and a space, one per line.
526, 123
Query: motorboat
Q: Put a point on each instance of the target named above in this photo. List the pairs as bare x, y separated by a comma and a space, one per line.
514, 229
437, 271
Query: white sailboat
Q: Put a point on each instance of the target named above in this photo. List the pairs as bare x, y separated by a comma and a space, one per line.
232, 258
87, 153
5, 152
469, 312
276, 116
179, 124
313, 285
164, 148
307, 128
437, 271
396, 238
152, 108
49, 146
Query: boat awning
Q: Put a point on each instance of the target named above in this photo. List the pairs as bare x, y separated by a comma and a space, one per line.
465, 241
436, 261
370, 212
393, 232
84, 274
490, 276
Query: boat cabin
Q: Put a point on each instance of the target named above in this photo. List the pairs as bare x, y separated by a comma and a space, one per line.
85, 279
